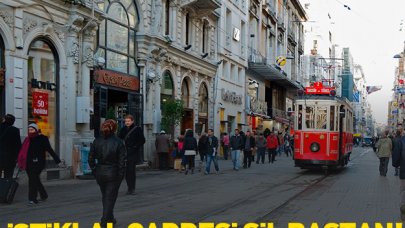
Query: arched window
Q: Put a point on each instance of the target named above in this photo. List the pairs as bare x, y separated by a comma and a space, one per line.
185, 93
203, 100
43, 74
187, 26
205, 37
116, 36
167, 90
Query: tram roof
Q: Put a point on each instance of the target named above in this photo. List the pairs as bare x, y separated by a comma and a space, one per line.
323, 97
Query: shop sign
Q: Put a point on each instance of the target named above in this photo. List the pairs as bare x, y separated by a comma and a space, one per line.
40, 103
231, 97
400, 90
115, 79
35, 84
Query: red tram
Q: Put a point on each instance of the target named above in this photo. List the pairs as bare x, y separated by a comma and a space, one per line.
323, 135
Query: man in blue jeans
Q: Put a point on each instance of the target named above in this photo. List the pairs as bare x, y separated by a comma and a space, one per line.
212, 148
236, 146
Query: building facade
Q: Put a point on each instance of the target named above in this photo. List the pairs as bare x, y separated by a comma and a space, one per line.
229, 93
46, 59
177, 53
275, 30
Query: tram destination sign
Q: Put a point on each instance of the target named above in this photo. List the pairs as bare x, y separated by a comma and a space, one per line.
115, 79
319, 91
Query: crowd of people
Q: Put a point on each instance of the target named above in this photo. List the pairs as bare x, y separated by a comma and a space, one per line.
114, 155
252, 146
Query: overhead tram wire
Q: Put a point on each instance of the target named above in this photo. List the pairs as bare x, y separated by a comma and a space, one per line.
355, 11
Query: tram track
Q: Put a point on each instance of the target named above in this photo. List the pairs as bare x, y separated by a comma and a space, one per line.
291, 182
307, 188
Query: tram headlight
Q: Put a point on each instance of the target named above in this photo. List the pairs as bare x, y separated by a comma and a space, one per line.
315, 147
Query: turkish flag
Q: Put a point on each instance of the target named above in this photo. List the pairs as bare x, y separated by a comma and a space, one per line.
401, 81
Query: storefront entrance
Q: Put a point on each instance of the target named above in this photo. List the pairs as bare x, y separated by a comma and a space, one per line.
112, 103
187, 121
43, 99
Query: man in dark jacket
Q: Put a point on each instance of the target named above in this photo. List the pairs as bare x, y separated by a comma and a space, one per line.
236, 146
212, 151
396, 149
134, 139
107, 160
248, 145
398, 161
10, 144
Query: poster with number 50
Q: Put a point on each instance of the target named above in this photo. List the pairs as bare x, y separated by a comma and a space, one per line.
40, 103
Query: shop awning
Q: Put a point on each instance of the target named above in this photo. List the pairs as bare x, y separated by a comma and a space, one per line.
275, 74
282, 120
259, 115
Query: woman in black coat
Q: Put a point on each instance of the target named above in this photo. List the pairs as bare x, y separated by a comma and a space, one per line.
107, 161
190, 150
32, 159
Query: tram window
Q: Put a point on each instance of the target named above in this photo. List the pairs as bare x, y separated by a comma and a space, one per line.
321, 118
309, 117
299, 117
332, 118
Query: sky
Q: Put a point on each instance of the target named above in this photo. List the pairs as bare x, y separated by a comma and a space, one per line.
371, 30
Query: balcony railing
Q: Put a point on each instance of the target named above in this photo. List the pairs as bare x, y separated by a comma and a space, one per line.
202, 4
256, 57
274, 112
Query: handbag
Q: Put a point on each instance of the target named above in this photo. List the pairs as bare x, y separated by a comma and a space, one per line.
189, 152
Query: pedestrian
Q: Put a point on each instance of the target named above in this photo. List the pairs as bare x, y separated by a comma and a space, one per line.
272, 145
212, 149
384, 149
190, 150
180, 146
396, 150
32, 159
134, 139
225, 142
261, 148
398, 161
202, 150
10, 145
248, 145
374, 143
107, 161
236, 146
162, 149
287, 145
255, 136
242, 134
280, 143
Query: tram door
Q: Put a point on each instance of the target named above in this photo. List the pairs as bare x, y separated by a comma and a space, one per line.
341, 123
